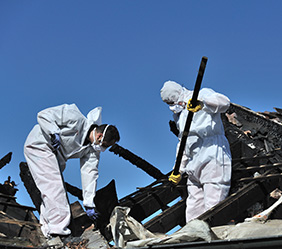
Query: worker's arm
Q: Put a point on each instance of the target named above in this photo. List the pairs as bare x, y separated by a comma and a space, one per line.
89, 175
213, 102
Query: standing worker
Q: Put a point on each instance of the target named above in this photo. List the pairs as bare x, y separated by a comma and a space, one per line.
63, 132
206, 158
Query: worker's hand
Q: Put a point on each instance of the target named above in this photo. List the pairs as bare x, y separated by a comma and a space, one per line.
175, 179
92, 213
198, 107
55, 141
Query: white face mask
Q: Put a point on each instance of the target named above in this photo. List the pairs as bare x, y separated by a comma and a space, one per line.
176, 108
99, 147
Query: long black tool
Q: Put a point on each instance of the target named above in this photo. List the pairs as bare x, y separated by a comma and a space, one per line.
190, 115
138, 161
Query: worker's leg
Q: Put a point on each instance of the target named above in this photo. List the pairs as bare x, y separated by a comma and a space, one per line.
195, 205
54, 211
215, 177
214, 193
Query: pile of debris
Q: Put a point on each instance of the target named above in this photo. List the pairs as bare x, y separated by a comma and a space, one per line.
18, 224
255, 141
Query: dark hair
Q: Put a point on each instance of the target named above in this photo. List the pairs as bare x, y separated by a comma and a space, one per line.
111, 132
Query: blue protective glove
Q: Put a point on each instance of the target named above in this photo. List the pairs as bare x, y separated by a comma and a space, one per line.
55, 141
92, 213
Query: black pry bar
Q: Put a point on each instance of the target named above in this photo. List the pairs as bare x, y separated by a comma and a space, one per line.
190, 114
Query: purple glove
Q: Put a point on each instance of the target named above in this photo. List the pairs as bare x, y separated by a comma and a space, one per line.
92, 213
55, 141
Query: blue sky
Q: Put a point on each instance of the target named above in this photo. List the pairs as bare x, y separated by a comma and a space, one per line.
117, 54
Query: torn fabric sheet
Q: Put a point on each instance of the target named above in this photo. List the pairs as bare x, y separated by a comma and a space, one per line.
248, 230
129, 233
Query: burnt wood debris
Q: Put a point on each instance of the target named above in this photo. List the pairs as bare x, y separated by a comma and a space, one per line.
255, 140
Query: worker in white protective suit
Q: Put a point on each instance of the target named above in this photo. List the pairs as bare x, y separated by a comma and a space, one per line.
63, 132
206, 158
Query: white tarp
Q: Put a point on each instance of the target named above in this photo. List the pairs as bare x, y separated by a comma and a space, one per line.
129, 233
249, 230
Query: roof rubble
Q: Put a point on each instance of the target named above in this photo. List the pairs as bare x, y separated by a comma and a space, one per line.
255, 139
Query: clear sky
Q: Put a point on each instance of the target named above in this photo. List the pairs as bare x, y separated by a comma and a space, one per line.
118, 54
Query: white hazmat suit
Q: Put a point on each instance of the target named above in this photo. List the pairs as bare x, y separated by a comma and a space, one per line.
46, 166
206, 158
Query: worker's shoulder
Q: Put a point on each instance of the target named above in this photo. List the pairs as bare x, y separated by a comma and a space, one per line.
64, 106
208, 92
207, 89
74, 106
68, 106
70, 109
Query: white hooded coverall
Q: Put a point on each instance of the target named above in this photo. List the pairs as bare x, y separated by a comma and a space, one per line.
206, 158
46, 166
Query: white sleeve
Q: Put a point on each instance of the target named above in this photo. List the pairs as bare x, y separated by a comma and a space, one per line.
89, 175
213, 102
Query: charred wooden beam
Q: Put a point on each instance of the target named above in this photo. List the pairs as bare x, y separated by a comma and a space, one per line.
137, 161
77, 192
30, 185
261, 177
7, 197
16, 205
243, 171
168, 219
251, 159
18, 222
260, 167
5, 160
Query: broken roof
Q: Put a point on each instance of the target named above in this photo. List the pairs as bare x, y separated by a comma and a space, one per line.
255, 140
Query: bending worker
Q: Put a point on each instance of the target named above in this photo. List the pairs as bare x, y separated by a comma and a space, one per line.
62, 133
206, 158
